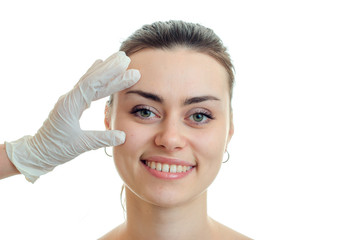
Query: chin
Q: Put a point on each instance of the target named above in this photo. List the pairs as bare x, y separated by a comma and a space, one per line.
165, 196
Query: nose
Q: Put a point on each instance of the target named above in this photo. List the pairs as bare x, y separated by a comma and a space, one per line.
170, 136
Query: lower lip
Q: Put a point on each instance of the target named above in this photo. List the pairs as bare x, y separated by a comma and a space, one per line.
168, 175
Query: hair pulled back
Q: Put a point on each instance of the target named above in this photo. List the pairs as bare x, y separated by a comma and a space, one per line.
172, 34
176, 33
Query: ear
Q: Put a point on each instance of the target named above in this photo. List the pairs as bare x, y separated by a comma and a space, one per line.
231, 128
107, 118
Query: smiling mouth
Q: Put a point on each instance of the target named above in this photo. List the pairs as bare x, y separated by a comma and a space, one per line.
167, 168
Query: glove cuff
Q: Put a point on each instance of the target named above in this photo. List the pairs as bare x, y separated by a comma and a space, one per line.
27, 163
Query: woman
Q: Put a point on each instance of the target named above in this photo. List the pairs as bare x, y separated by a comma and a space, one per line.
178, 123
178, 120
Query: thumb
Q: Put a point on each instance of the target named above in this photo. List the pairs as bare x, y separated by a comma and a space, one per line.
99, 139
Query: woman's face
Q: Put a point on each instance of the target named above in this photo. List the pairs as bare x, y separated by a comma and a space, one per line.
177, 122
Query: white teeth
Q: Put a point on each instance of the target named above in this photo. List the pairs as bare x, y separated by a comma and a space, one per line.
158, 166
173, 168
167, 168
153, 165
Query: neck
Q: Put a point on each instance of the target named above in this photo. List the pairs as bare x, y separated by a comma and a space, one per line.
186, 221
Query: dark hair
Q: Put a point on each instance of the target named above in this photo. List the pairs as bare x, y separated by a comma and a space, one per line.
171, 34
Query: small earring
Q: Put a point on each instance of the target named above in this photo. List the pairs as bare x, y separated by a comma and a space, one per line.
107, 153
228, 156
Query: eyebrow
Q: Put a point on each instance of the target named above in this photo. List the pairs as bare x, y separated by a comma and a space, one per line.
159, 99
147, 95
193, 100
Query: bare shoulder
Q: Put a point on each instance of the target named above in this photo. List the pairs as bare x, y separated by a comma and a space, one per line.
113, 234
225, 233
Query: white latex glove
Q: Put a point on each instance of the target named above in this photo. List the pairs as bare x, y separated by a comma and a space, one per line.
61, 139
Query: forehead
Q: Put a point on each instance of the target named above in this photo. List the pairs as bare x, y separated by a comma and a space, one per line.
179, 71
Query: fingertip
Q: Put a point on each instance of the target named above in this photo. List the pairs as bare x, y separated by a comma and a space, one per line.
121, 53
132, 74
128, 79
99, 139
97, 61
120, 137
136, 73
120, 58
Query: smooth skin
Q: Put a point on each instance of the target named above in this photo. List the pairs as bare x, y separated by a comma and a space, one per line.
180, 109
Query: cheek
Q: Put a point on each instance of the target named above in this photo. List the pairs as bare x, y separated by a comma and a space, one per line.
136, 136
210, 145
209, 152
127, 155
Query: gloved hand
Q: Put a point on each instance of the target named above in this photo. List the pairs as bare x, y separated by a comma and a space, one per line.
61, 139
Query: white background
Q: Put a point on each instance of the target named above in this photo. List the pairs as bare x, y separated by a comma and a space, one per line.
294, 168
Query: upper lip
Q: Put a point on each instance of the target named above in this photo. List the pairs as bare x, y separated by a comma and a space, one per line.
170, 161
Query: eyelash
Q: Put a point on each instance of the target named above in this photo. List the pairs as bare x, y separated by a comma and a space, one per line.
137, 109
203, 112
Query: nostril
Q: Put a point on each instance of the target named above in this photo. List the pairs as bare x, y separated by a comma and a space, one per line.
171, 142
